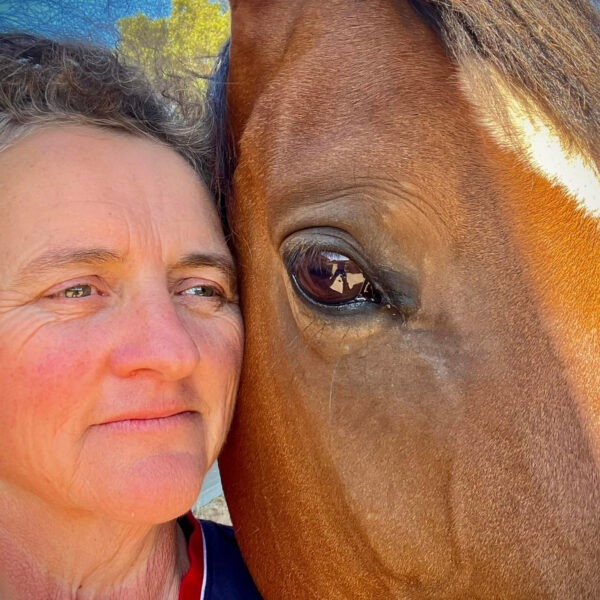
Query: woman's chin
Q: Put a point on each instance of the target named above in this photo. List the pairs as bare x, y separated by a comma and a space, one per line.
156, 489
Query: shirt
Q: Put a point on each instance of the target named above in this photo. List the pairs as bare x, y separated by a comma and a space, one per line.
217, 570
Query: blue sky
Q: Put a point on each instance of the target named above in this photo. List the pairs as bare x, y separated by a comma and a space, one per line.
92, 20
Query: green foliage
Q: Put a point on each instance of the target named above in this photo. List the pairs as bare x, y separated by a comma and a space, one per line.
176, 51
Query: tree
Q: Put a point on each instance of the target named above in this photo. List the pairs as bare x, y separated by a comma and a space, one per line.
177, 52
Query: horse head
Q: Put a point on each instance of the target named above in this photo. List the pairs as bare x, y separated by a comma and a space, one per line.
415, 212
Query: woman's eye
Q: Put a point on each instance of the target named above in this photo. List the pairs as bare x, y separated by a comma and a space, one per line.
206, 291
332, 279
77, 291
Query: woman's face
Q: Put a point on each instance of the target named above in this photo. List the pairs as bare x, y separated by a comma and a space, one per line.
120, 336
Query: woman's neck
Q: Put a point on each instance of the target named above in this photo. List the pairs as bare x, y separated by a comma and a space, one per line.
47, 553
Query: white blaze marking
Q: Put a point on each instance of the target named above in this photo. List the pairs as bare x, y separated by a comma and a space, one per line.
538, 143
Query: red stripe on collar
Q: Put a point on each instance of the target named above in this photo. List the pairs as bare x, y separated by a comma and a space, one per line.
193, 581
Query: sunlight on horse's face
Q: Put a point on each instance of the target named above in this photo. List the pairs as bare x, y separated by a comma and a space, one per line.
407, 422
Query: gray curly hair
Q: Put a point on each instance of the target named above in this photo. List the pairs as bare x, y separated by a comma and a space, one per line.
44, 82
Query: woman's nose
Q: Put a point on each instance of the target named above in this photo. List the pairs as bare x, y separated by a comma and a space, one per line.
153, 340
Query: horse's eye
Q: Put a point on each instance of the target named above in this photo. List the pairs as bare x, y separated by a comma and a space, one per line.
332, 279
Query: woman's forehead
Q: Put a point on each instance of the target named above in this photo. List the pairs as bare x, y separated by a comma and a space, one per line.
81, 183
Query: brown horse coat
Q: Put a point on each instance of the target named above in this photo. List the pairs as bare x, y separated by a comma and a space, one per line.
433, 432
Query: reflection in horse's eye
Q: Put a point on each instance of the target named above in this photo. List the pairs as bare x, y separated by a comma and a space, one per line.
331, 278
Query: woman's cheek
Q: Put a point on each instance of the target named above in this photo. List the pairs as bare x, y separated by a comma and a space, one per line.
51, 372
45, 379
220, 339
220, 344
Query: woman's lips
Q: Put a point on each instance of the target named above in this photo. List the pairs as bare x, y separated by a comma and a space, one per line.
150, 423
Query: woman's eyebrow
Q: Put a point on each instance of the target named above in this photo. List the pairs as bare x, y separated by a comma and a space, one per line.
57, 258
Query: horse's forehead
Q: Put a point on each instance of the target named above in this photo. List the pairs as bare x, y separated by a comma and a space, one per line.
349, 102
358, 68
284, 48
359, 48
